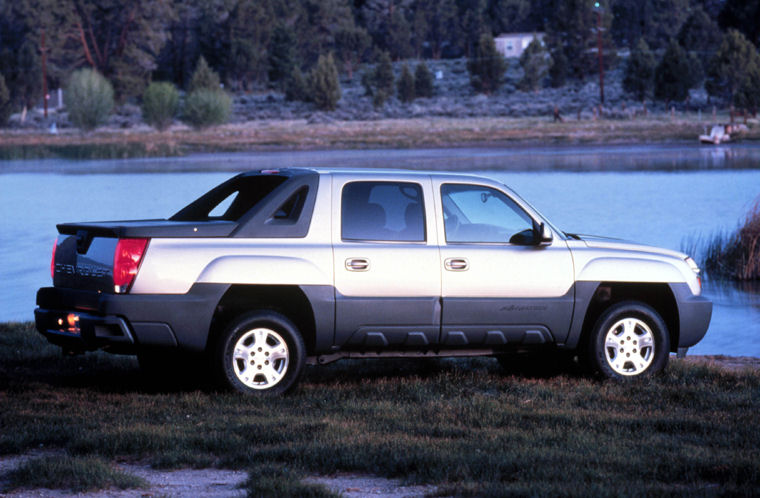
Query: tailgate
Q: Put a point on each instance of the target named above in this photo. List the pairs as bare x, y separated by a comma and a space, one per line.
84, 262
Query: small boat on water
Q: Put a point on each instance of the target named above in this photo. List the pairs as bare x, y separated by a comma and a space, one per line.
718, 134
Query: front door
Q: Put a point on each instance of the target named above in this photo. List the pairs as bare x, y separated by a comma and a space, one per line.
498, 287
387, 281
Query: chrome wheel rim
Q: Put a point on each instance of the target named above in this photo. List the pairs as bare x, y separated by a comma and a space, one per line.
629, 346
260, 358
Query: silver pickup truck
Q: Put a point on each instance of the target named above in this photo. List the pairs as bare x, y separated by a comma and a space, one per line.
274, 269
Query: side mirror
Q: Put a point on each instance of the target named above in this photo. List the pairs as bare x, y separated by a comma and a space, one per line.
542, 234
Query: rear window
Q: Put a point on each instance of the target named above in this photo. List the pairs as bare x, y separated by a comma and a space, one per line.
230, 200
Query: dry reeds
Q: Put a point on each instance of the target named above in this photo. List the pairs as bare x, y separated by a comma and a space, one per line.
736, 256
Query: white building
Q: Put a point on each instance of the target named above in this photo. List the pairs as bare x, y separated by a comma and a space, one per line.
514, 44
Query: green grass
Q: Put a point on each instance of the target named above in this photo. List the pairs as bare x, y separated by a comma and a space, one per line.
76, 473
464, 425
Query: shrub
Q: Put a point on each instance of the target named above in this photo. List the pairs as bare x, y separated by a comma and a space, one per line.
160, 104
5, 102
203, 77
405, 86
88, 98
423, 81
639, 73
378, 83
324, 86
204, 108
535, 62
736, 256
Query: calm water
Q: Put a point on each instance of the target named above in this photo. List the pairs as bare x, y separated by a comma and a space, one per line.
658, 195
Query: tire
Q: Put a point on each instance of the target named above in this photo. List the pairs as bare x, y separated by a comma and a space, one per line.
260, 353
629, 340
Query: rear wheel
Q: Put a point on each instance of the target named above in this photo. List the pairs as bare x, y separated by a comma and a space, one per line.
261, 353
630, 339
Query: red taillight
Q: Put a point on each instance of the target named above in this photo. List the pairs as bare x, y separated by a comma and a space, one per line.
52, 259
126, 262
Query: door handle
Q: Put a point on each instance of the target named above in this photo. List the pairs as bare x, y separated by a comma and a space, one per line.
357, 264
456, 264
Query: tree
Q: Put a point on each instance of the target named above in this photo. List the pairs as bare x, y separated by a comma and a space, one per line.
282, 53
673, 74
205, 107
378, 83
5, 102
486, 67
23, 74
204, 77
558, 70
639, 73
435, 25
387, 23
654, 20
324, 84
734, 71
535, 62
572, 29
88, 98
700, 33
472, 25
742, 15
423, 81
405, 85
296, 87
350, 44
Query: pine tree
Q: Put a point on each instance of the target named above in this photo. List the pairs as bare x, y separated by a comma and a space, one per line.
324, 85
296, 87
734, 71
5, 102
673, 74
535, 62
700, 33
204, 77
558, 70
486, 67
423, 81
379, 82
282, 53
639, 73
350, 43
405, 85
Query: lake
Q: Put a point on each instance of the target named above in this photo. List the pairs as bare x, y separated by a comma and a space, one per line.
659, 195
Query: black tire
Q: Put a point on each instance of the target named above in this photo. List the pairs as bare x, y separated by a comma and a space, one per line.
257, 335
640, 339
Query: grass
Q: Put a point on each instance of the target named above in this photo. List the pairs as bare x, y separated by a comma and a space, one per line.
399, 133
464, 425
734, 256
75, 473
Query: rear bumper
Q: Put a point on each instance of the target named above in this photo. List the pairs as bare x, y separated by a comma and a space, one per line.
126, 322
694, 313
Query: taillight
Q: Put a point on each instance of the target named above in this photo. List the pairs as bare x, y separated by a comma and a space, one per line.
52, 259
126, 262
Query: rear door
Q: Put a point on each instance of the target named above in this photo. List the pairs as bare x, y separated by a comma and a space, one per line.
387, 279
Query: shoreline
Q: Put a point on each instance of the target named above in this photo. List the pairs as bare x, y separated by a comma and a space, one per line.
324, 133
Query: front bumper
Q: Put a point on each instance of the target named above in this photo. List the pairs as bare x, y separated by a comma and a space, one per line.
82, 320
694, 313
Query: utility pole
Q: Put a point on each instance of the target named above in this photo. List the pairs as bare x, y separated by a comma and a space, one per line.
43, 50
598, 9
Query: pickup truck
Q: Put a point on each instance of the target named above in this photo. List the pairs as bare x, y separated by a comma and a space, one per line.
275, 269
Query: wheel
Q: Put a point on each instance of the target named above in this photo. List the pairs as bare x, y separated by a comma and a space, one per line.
630, 339
261, 353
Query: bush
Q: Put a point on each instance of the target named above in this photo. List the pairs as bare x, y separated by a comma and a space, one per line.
324, 86
405, 86
204, 108
160, 104
203, 77
88, 98
736, 256
423, 81
378, 83
5, 102
535, 62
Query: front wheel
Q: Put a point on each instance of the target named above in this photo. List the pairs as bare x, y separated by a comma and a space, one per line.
261, 353
630, 339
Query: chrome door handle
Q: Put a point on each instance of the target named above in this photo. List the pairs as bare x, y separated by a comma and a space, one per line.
456, 264
357, 264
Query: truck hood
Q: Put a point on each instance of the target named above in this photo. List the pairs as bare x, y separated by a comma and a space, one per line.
598, 242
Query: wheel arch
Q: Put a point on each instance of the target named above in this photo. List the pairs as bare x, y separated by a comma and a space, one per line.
658, 296
288, 300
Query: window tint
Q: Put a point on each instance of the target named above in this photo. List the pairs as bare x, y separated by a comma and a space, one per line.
291, 209
387, 211
230, 200
473, 213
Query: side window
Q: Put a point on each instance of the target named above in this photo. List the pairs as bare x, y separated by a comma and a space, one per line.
473, 213
291, 209
383, 211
